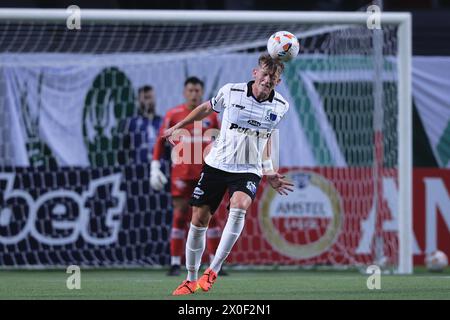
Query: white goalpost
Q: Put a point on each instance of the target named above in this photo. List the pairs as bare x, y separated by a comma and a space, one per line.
70, 192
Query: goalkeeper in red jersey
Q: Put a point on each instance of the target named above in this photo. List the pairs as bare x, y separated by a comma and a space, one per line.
186, 169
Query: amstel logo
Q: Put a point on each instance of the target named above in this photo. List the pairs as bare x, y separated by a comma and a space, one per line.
306, 222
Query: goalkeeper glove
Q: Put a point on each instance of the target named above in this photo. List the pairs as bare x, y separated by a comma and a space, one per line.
157, 178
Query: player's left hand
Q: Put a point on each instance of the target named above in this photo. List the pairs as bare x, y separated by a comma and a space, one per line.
281, 185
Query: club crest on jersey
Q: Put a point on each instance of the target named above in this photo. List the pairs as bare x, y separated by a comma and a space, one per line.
251, 186
271, 115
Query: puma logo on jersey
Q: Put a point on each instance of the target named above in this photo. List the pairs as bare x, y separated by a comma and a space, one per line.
250, 132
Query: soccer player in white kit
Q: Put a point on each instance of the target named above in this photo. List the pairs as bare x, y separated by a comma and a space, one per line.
250, 113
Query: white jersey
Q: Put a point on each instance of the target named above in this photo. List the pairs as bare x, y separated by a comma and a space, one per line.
246, 126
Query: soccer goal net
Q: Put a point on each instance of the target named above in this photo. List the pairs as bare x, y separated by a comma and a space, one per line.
74, 172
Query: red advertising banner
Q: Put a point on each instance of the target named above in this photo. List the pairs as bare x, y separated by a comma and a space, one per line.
339, 216
431, 205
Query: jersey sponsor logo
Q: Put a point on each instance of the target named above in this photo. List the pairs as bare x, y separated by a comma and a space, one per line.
305, 223
251, 186
238, 106
271, 115
254, 123
251, 132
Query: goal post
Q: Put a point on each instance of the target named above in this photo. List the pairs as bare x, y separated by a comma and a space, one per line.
405, 165
334, 75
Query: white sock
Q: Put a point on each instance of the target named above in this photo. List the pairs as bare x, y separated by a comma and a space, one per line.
230, 234
195, 245
175, 260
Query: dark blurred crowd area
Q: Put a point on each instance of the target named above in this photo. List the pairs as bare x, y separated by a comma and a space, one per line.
431, 18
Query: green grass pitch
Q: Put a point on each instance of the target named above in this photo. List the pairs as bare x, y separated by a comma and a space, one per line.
251, 285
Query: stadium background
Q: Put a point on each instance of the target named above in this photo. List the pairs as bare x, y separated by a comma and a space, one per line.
431, 51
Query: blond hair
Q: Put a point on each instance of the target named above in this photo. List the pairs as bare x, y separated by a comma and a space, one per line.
272, 65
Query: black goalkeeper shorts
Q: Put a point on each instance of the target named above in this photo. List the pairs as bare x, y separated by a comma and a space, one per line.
213, 184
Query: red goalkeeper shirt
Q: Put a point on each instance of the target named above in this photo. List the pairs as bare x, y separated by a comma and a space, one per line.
189, 148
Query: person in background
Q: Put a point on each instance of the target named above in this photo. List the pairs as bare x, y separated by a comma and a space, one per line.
184, 176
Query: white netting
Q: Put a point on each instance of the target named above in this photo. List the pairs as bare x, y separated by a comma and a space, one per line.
72, 193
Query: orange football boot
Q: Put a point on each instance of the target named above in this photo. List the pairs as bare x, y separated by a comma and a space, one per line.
186, 287
207, 280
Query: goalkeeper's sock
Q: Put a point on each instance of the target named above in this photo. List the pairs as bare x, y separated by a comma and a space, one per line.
195, 246
177, 242
175, 260
178, 233
230, 234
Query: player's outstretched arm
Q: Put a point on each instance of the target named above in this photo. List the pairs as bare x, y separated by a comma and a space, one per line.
281, 185
199, 113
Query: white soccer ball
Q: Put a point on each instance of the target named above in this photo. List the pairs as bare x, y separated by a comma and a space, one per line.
283, 45
436, 261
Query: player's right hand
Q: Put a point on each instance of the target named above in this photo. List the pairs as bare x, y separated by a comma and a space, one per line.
157, 177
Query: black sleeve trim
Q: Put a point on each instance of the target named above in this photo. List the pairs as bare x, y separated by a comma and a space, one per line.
280, 101
212, 105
